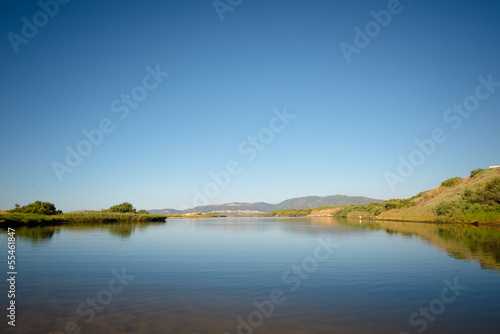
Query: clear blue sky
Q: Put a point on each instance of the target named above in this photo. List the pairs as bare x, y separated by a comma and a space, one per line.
352, 120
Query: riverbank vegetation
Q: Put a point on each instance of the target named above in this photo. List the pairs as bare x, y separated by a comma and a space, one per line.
10, 219
288, 213
45, 213
475, 199
110, 217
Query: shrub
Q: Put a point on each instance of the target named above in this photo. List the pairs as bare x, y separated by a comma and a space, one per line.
451, 182
397, 204
445, 208
348, 209
452, 210
467, 194
375, 208
39, 207
123, 208
475, 172
484, 199
420, 194
143, 212
288, 213
488, 195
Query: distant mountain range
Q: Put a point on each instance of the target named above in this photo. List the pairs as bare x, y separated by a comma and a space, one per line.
238, 208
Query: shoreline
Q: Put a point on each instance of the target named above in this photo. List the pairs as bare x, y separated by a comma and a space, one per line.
87, 217
129, 218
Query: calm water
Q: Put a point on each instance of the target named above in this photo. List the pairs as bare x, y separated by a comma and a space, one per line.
256, 275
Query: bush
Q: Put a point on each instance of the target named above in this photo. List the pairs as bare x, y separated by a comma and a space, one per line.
288, 213
397, 204
489, 195
123, 208
142, 212
446, 208
486, 199
420, 194
451, 182
475, 172
344, 212
467, 194
374, 209
38, 207
452, 210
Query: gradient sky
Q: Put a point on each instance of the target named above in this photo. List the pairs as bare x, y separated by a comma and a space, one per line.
352, 120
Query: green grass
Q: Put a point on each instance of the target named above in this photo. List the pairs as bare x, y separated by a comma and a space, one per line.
110, 217
78, 217
29, 219
483, 216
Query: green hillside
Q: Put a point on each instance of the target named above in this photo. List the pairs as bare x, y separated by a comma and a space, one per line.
468, 200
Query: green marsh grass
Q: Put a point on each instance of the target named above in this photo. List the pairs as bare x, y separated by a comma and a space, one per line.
83, 217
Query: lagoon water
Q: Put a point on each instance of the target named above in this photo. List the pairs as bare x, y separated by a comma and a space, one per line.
257, 275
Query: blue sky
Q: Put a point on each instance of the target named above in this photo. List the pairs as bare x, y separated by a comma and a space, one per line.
227, 79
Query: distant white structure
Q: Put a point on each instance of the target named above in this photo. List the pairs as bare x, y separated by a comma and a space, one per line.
493, 166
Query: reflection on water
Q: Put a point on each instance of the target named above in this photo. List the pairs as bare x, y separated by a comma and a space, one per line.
481, 244
36, 234
461, 241
43, 234
201, 275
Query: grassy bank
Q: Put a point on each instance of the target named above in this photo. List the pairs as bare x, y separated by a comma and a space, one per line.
475, 199
24, 219
111, 217
9, 219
